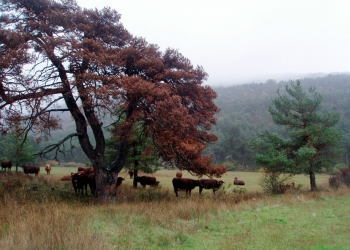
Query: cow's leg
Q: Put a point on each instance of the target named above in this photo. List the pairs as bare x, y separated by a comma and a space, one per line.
200, 190
175, 190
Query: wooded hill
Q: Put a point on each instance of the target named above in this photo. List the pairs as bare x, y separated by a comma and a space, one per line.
244, 114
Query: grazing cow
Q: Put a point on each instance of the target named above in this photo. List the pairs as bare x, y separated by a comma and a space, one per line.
119, 181
131, 173
6, 164
184, 183
238, 182
66, 178
31, 170
210, 184
146, 180
88, 170
92, 183
48, 169
178, 174
80, 181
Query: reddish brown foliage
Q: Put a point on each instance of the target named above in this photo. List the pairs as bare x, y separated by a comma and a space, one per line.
87, 59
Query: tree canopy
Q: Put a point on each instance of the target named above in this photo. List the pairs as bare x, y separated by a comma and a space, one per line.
57, 57
311, 142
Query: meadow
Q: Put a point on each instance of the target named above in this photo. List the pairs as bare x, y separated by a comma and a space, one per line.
153, 218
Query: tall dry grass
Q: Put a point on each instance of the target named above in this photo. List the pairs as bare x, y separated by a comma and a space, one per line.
154, 217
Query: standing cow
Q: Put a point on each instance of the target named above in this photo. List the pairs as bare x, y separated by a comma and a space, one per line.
31, 170
48, 169
6, 164
79, 182
146, 180
210, 184
186, 184
131, 173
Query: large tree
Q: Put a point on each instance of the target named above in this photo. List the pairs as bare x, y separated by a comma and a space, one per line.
54, 52
311, 143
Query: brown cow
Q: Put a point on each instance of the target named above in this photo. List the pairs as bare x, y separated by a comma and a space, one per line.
210, 184
88, 170
66, 178
146, 180
48, 169
6, 164
184, 183
80, 181
131, 173
114, 189
178, 174
238, 182
31, 170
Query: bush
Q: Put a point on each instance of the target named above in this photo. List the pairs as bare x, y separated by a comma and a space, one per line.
344, 176
334, 182
275, 182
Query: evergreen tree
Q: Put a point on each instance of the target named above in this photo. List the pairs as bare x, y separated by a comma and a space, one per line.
312, 141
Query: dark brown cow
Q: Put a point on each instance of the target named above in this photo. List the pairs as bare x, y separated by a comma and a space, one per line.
31, 170
147, 180
210, 184
186, 184
80, 181
119, 181
238, 182
131, 173
48, 169
178, 174
92, 183
88, 170
66, 178
6, 164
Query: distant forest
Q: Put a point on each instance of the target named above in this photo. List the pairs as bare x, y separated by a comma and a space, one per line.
244, 114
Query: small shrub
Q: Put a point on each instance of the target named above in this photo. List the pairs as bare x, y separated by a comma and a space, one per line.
275, 182
334, 182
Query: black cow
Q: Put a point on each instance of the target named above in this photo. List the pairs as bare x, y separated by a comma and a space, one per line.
184, 183
80, 181
6, 164
209, 184
31, 170
146, 180
119, 181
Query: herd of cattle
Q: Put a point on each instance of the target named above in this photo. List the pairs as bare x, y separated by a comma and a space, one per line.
86, 177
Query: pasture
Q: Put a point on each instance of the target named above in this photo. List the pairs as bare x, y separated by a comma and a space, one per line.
165, 177
155, 219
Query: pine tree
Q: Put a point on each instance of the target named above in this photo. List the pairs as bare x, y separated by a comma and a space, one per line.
312, 141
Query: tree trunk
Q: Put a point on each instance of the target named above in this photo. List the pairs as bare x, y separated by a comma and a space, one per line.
135, 175
101, 181
312, 180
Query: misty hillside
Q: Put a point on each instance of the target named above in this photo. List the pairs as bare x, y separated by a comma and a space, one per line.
244, 113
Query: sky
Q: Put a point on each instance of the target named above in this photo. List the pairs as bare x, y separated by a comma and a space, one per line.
244, 41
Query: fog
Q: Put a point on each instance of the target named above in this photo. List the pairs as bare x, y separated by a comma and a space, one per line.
244, 41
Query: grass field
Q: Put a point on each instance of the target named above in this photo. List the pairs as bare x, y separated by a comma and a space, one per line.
155, 219
165, 177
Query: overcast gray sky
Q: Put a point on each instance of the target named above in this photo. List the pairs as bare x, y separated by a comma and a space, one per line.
244, 41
